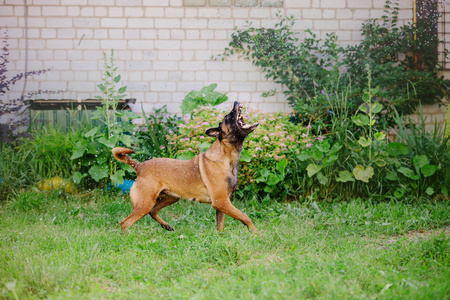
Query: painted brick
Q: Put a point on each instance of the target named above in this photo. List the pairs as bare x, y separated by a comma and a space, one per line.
327, 25
192, 65
73, 11
154, 12
349, 25
73, 2
113, 44
312, 13
174, 12
12, 22
221, 24
100, 34
140, 44
115, 11
46, 2
208, 12
337, 3
129, 2
297, 3
167, 23
194, 23
194, 45
47, 33
329, 13
59, 44
192, 34
116, 33
162, 86
168, 45
132, 33
7, 11
177, 34
164, 34
358, 4
86, 22
113, 22
170, 55
260, 13
87, 12
162, 3
66, 33
101, 2
134, 12
101, 12
344, 14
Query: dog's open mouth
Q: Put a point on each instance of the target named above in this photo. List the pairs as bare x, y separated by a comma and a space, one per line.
240, 120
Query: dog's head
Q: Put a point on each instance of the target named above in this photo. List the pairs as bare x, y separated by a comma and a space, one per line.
232, 128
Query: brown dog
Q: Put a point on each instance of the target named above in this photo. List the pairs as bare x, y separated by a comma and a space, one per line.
210, 177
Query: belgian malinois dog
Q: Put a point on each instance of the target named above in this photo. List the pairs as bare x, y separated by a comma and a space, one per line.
210, 177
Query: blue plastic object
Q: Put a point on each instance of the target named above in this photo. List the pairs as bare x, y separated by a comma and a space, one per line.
125, 186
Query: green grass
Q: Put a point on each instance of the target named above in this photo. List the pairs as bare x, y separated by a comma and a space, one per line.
57, 246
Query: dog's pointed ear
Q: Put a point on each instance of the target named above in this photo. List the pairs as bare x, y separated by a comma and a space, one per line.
213, 132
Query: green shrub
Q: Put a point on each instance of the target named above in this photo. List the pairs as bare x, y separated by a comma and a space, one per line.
315, 71
154, 137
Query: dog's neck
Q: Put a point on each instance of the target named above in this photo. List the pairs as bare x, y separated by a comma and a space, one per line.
223, 151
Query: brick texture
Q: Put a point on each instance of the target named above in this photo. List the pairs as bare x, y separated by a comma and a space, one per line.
163, 48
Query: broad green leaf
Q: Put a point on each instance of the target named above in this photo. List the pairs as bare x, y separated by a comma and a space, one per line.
204, 146
264, 173
77, 177
117, 79
316, 154
361, 120
281, 166
363, 174
323, 146
420, 161
122, 90
272, 179
303, 156
345, 176
117, 178
313, 169
101, 87
379, 136
246, 156
428, 170
186, 155
391, 176
335, 148
376, 107
429, 191
444, 191
98, 172
397, 149
364, 142
77, 153
409, 173
322, 179
91, 132
111, 142
128, 140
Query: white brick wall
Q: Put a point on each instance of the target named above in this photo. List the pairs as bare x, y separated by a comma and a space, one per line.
163, 48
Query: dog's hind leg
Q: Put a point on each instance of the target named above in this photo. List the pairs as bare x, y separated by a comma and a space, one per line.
143, 203
162, 202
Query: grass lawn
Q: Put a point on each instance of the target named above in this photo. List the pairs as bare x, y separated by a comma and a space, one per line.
58, 246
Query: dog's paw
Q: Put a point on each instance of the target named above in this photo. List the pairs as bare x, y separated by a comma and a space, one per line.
168, 227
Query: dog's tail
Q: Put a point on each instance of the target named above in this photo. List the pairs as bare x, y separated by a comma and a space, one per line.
121, 155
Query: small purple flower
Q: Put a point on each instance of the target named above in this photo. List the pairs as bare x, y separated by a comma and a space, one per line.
258, 149
320, 138
308, 145
323, 92
205, 123
315, 84
162, 147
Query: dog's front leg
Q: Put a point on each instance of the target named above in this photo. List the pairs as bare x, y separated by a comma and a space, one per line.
225, 206
220, 218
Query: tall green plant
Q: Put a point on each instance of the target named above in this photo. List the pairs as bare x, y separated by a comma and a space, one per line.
93, 152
